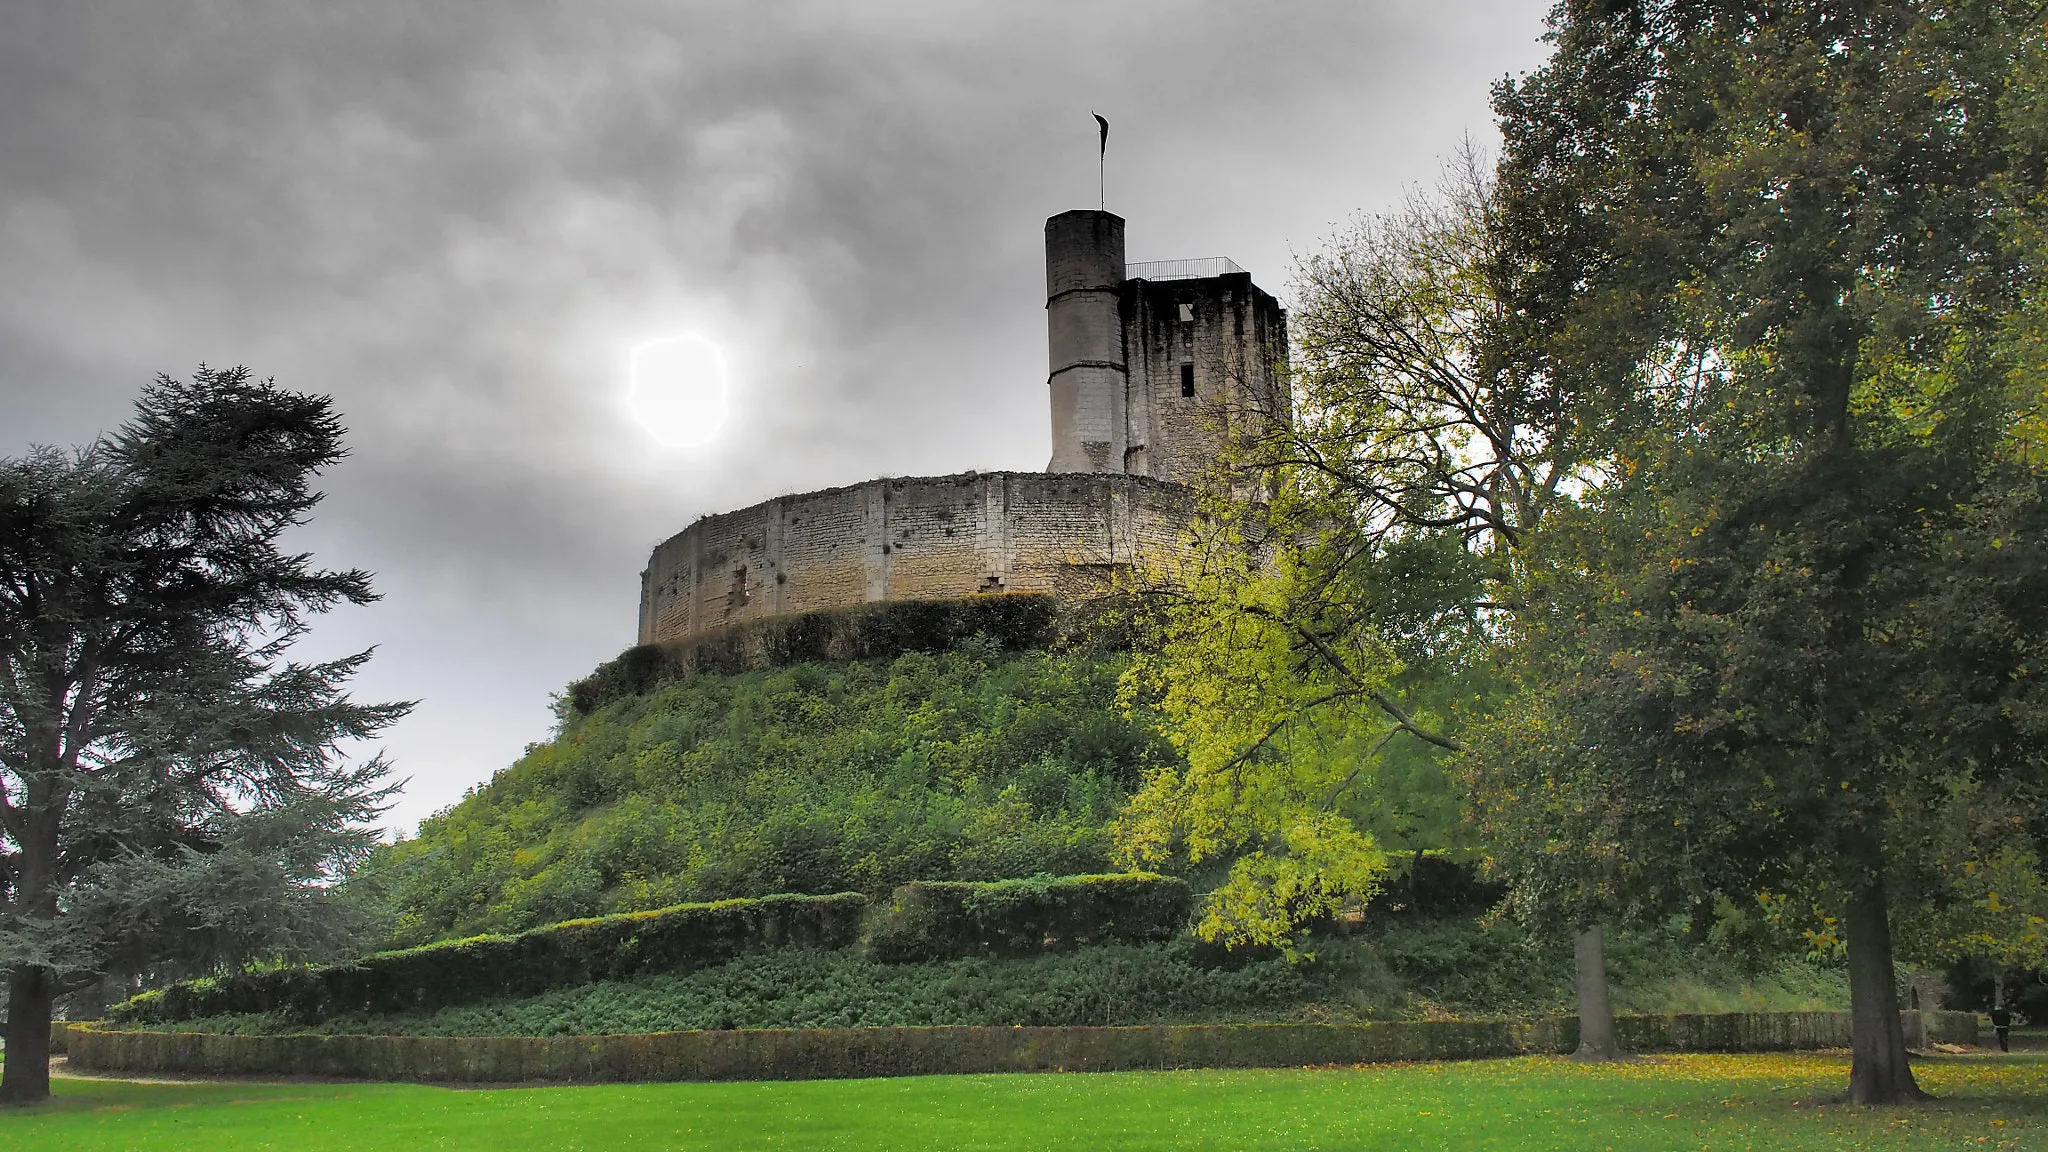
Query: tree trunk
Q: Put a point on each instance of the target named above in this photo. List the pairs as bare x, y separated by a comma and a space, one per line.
25, 1076
1596, 1012
1878, 1069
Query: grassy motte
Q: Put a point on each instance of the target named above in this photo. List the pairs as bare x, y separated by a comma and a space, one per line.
1532, 1104
974, 764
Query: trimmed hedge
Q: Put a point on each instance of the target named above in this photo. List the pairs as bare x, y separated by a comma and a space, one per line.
792, 1054
924, 921
860, 1052
677, 939
1014, 621
940, 920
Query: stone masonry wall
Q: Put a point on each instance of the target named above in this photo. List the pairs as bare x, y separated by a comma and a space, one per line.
1232, 345
911, 538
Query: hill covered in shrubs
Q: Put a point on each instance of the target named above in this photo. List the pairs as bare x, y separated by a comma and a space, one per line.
970, 764
1044, 951
815, 759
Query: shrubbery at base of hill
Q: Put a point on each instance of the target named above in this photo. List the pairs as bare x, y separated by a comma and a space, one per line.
936, 920
1465, 967
1120, 984
1447, 968
569, 954
922, 922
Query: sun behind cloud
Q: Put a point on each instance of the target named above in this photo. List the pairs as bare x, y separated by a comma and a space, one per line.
677, 387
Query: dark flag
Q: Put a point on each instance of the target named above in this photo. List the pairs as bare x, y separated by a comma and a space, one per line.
1101, 161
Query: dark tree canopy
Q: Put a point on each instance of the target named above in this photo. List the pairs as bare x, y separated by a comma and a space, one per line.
1789, 638
172, 790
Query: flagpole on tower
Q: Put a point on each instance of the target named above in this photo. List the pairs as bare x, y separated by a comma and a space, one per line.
1101, 164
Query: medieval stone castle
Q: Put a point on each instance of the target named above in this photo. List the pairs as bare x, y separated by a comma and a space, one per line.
1148, 362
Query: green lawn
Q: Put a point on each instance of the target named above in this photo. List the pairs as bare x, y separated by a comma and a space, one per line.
1690, 1102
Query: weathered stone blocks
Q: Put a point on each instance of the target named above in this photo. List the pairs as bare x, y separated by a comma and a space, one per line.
920, 538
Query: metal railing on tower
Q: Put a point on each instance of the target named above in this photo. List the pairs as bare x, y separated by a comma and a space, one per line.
1195, 269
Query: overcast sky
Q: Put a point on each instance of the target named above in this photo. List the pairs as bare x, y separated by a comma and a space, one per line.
457, 220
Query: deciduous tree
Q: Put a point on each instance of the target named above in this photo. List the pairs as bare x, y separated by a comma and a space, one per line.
1343, 637
1794, 624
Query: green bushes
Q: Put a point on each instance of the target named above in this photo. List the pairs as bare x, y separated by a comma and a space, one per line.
1434, 885
488, 967
922, 922
1479, 967
1167, 983
1482, 968
973, 764
932, 921
869, 632
1075, 950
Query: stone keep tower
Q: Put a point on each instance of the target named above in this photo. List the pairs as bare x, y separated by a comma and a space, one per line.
1152, 364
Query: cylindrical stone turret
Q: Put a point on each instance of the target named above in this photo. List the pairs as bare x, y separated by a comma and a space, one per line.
1084, 267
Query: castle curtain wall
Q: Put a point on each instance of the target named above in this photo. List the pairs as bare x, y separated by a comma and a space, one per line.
906, 539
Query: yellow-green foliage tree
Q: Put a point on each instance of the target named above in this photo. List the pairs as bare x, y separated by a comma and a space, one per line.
1269, 745
1323, 695
1311, 651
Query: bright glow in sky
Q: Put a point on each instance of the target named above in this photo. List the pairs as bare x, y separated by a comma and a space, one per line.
678, 389
480, 219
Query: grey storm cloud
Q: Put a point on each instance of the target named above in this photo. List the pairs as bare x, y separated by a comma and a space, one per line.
458, 219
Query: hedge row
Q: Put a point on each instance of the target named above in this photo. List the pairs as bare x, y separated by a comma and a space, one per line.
860, 1052
1014, 621
939, 920
677, 939
923, 921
